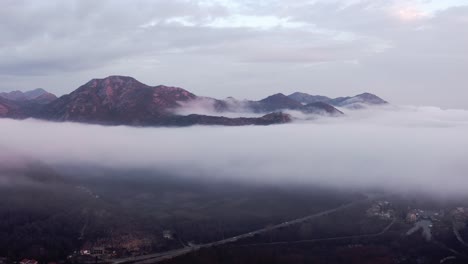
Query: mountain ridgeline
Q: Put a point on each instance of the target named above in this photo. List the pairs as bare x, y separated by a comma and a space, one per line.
120, 100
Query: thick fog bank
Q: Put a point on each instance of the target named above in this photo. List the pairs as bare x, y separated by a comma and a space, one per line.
397, 148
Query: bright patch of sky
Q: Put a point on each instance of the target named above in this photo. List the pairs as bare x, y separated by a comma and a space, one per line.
226, 3
182, 21
436, 5
421, 9
258, 22
233, 21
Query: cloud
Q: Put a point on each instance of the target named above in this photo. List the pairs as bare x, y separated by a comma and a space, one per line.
410, 52
410, 14
399, 149
207, 106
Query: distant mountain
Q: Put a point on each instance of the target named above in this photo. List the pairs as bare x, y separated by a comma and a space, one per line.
274, 103
307, 98
19, 109
44, 98
38, 95
18, 104
33, 94
116, 100
122, 100
358, 101
280, 101
10, 109
321, 107
13, 95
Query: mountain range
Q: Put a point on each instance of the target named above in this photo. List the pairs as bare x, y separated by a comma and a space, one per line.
121, 100
38, 95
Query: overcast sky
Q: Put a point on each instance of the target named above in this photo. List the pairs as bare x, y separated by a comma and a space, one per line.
407, 51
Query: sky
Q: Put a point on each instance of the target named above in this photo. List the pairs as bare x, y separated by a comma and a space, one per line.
409, 52
399, 149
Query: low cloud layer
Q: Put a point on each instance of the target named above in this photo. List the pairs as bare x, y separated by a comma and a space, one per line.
207, 106
401, 149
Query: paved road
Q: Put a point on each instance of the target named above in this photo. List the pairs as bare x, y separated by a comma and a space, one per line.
154, 258
324, 239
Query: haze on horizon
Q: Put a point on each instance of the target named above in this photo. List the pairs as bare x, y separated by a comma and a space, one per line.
408, 52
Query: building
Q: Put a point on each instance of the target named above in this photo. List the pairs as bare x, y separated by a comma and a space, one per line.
167, 234
98, 251
412, 217
382, 209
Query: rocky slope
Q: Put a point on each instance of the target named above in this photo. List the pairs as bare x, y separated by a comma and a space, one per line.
116, 100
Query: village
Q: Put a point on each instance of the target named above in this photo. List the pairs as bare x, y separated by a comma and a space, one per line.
105, 250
